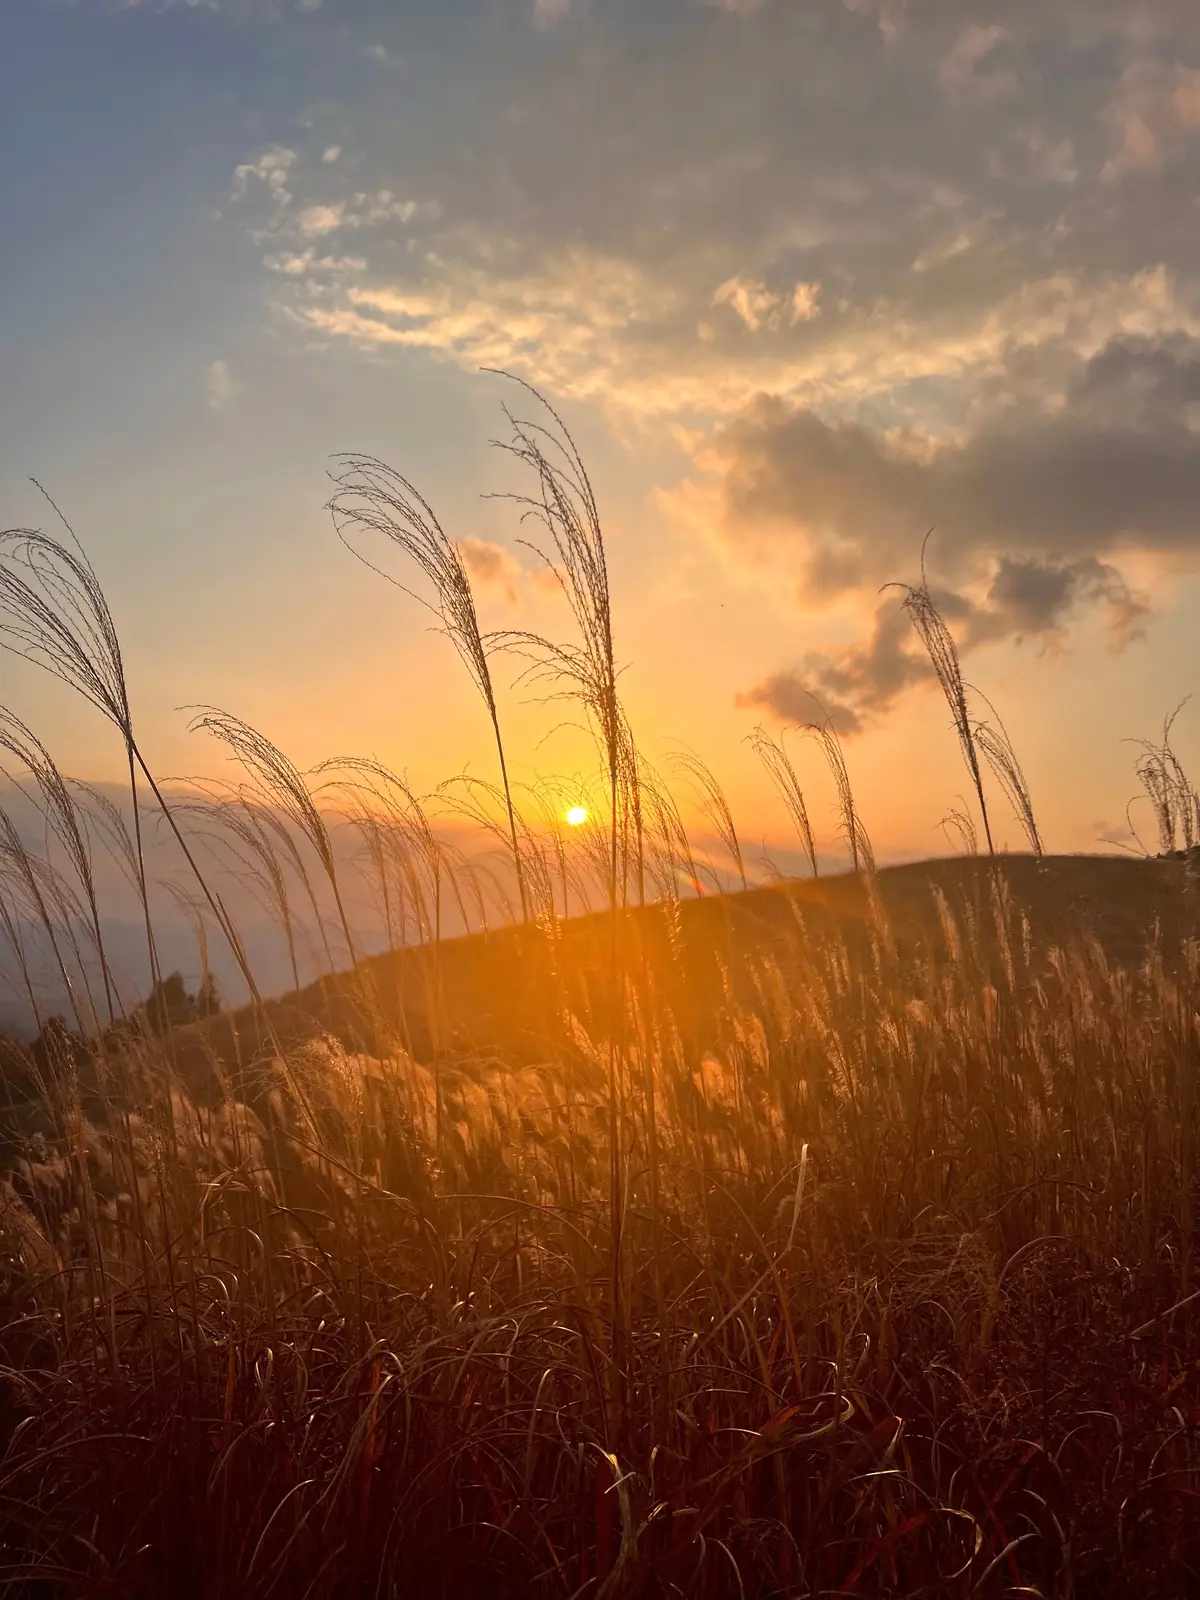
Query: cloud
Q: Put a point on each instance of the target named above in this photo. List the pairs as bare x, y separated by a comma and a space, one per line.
491, 566
804, 302
220, 385
332, 154
564, 323
1033, 598
271, 170
307, 264
963, 74
888, 15
656, 340
848, 686
365, 209
320, 219
1034, 517
1047, 159
1110, 464
760, 307
939, 251
1154, 113
1026, 598
753, 302
370, 210
762, 192
893, 264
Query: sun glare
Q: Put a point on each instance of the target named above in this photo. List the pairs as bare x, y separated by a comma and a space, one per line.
576, 815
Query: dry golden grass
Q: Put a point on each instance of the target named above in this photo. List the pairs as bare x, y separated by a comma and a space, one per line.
821, 1241
896, 1305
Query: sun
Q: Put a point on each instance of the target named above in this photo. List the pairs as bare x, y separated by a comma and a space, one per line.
576, 815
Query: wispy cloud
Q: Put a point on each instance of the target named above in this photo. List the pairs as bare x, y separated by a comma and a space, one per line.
492, 566
220, 385
760, 307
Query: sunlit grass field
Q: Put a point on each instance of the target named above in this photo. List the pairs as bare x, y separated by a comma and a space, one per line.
827, 1238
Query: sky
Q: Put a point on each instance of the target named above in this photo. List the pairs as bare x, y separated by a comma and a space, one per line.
808, 282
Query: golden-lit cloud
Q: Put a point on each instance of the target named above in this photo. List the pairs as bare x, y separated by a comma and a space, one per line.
269, 170
320, 219
760, 307
491, 566
607, 328
594, 226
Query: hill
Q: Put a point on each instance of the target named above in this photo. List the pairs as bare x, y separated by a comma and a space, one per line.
487, 994
856, 1245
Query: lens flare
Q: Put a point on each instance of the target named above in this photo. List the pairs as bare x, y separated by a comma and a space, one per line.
576, 815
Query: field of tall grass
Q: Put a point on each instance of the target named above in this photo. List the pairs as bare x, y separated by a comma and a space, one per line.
852, 1259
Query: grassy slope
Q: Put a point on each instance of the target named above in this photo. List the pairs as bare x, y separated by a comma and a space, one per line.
492, 985
898, 1303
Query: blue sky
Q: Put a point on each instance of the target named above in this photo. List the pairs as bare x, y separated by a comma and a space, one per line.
806, 280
